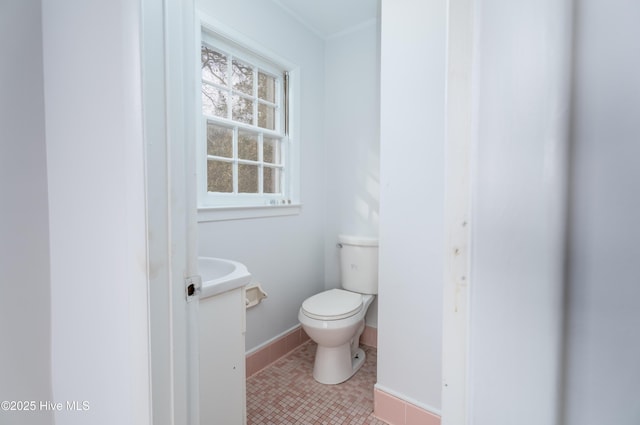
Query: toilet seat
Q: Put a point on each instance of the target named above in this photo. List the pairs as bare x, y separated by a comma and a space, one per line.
334, 304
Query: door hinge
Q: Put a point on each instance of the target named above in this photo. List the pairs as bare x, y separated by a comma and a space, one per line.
193, 287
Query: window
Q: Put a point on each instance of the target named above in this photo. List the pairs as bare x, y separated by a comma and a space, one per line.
245, 148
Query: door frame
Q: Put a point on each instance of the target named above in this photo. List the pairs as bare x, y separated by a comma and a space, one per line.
458, 203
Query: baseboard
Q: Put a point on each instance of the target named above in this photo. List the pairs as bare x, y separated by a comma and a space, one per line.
274, 350
396, 411
369, 337
281, 345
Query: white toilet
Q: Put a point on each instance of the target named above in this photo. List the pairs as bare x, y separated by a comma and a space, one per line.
334, 319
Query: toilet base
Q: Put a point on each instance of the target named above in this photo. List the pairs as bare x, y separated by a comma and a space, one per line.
334, 365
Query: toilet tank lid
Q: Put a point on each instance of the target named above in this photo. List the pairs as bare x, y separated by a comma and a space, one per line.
333, 304
357, 240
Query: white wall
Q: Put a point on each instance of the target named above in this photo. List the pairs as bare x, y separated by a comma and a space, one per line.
285, 254
25, 356
411, 199
352, 142
518, 204
95, 170
603, 321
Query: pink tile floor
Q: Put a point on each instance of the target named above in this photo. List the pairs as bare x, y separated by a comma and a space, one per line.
285, 393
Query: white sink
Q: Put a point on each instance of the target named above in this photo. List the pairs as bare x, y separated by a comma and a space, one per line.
219, 275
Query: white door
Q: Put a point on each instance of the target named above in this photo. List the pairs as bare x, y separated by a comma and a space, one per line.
171, 207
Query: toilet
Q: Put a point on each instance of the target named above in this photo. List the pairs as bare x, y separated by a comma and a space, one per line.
334, 319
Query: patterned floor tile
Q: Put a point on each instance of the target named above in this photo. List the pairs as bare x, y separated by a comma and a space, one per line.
285, 393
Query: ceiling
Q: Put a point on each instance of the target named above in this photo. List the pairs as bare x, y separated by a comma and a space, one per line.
327, 18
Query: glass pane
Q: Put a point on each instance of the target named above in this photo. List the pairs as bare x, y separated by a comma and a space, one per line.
271, 150
266, 116
219, 176
219, 141
247, 178
266, 87
214, 101
214, 66
247, 145
242, 77
271, 180
242, 109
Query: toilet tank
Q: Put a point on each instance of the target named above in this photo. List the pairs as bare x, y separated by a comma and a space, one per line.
359, 264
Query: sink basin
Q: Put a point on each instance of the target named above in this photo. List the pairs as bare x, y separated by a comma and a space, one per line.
219, 275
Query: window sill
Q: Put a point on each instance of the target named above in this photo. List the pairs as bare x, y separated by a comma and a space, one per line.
206, 214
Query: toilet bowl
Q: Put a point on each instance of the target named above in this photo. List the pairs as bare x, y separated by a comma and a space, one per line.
334, 319
338, 356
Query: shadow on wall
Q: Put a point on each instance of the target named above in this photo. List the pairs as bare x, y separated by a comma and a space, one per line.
367, 201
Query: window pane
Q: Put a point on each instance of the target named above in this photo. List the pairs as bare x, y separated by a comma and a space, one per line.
242, 109
219, 176
271, 180
242, 77
266, 87
266, 116
214, 66
214, 101
271, 150
219, 141
247, 145
247, 178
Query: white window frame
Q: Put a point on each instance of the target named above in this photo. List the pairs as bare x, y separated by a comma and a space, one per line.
226, 206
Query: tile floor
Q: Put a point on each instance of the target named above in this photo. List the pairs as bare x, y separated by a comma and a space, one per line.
285, 393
